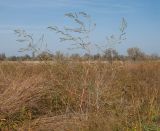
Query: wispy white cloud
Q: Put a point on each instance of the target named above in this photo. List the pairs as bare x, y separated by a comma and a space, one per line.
34, 4
88, 4
8, 29
103, 7
106, 6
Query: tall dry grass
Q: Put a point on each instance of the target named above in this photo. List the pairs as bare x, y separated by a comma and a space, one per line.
80, 96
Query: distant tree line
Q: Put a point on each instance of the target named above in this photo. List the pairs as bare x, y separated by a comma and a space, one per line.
133, 54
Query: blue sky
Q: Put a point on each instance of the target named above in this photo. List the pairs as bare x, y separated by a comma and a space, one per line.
143, 18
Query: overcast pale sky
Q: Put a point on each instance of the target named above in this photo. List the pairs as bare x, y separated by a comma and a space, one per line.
143, 18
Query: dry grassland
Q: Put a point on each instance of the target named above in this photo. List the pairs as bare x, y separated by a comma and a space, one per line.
80, 96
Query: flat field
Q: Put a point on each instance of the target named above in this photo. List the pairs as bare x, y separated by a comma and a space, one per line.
75, 96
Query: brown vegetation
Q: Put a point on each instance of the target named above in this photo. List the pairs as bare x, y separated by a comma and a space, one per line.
80, 96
